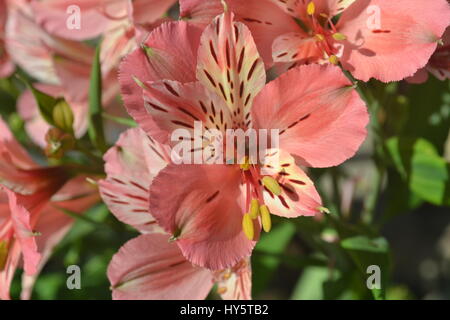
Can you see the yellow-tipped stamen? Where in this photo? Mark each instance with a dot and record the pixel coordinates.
(247, 226)
(254, 209)
(246, 165)
(320, 37)
(333, 59)
(324, 210)
(272, 184)
(339, 36)
(221, 290)
(311, 8)
(265, 218)
(324, 15)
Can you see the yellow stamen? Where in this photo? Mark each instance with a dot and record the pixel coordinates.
(333, 59)
(339, 36)
(247, 226)
(246, 165)
(272, 184)
(3, 253)
(221, 290)
(320, 37)
(254, 209)
(227, 275)
(324, 15)
(265, 218)
(311, 8)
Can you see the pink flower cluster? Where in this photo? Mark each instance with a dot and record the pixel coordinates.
(199, 223)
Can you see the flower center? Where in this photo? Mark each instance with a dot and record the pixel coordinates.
(255, 207)
(326, 34)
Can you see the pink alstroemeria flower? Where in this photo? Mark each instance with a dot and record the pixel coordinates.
(31, 222)
(122, 23)
(321, 121)
(149, 266)
(6, 65)
(439, 64)
(386, 40)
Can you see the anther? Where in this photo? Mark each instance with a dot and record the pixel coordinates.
(265, 218)
(339, 36)
(247, 226)
(333, 59)
(254, 209)
(272, 184)
(311, 8)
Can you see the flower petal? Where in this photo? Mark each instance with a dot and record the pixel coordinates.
(229, 64)
(53, 16)
(174, 105)
(77, 196)
(402, 43)
(296, 46)
(203, 211)
(298, 196)
(149, 267)
(235, 283)
(321, 119)
(264, 18)
(131, 166)
(21, 221)
(159, 61)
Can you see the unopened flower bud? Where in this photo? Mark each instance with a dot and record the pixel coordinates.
(63, 116)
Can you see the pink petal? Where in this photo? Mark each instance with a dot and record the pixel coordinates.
(229, 63)
(173, 62)
(321, 119)
(296, 46)
(77, 196)
(203, 210)
(21, 220)
(131, 166)
(299, 196)
(11, 151)
(298, 9)
(174, 105)
(149, 267)
(235, 283)
(147, 11)
(53, 17)
(407, 37)
(264, 18)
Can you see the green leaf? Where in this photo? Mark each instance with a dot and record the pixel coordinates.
(367, 252)
(420, 165)
(272, 243)
(96, 132)
(362, 243)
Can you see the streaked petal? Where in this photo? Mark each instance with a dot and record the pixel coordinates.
(322, 120)
(203, 211)
(229, 64)
(149, 267)
(403, 42)
(131, 166)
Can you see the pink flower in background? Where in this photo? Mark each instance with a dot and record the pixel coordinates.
(31, 223)
(439, 64)
(321, 121)
(122, 23)
(149, 267)
(6, 65)
(386, 40)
